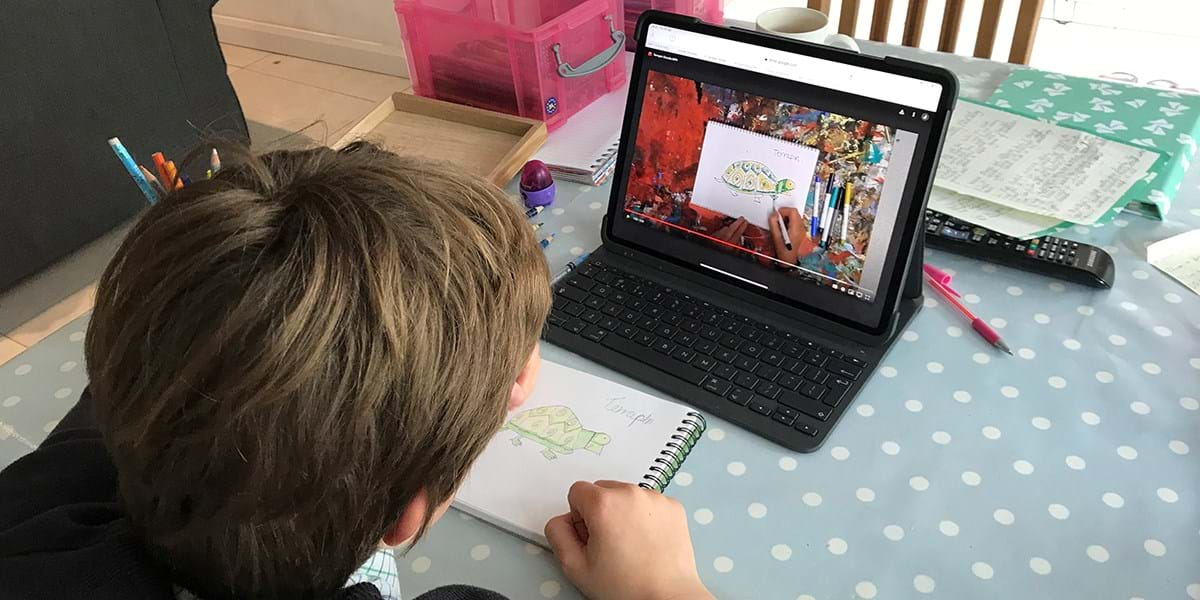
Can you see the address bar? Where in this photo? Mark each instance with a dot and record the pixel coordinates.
(888, 87)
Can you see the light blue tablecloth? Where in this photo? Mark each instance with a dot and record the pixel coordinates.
(1068, 471)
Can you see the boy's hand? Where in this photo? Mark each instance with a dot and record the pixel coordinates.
(622, 542)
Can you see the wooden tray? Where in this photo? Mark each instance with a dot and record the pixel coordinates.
(489, 144)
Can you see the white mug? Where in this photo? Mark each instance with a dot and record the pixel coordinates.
(803, 24)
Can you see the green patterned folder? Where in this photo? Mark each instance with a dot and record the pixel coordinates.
(1152, 118)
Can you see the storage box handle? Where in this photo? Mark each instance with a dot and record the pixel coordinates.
(596, 62)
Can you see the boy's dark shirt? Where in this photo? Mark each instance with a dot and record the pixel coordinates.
(64, 533)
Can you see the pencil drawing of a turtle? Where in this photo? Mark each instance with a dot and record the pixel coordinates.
(558, 429)
(753, 177)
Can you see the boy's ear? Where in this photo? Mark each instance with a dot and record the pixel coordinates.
(525, 379)
(409, 522)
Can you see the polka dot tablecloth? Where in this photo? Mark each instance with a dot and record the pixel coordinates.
(1067, 471)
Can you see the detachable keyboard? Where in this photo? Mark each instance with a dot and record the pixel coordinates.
(789, 389)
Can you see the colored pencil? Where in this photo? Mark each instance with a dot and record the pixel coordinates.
(173, 181)
(846, 210)
(158, 188)
(533, 212)
(132, 168)
(160, 167)
(214, 161)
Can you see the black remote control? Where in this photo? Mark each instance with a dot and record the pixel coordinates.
(1047, 255)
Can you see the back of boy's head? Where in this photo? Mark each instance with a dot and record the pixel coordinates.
(281, 357)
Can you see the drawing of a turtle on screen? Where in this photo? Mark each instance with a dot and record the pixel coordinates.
(557, 429)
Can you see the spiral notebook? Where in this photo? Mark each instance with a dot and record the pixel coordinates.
(575, 427)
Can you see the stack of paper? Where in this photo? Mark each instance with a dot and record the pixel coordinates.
(1025, 178)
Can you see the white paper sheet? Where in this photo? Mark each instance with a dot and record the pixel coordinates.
(1009, 221)
(518, 484)
(1178, 257)
(726, 146)
(1037, 167)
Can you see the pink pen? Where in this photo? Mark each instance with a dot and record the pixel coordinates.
(979, 325)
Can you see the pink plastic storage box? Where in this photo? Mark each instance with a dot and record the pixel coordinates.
(711, 11)
(541, 59)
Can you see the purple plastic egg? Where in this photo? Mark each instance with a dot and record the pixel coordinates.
(535, 175)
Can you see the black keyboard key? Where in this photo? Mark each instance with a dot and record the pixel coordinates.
(814, 391)
(793, 350)
(816, 359)
(725, 371)
(635, 304)
(612, 309)
(595, 333)
(745, 380)
(731, 341)
(575, 326)
(740, 396)
(595, 302)
(685, 339)
(591, 316)
(710, 318)
(730, 325)
(858, 362)
(602, 291)
(666, 364)
(581, 282)
(665, 331)
(630, 316)
(664, 346)
(710, 333)
(767, 372)
(573, 293)
(654, 311)
(626, 331)
(773, 342)
(772, 358)
(647, 324)
(807, 406)
(574, 309)
(691, 326)
(768, 389)
(684, 355)
(785, 415)
(589, 270)
(557, 319)
(672, 319)
(816, 375)
(807, 429)
(745, 363)
(619, 297)
(837, 391)
(725, 355)
(794, 367)
(789, 381)
(704, 363)
(717, 386)
(834, 353)
(762, 406)
(644, 339)
(609, 324)
(604, 276)
(751, 333)
(752, 349)
(704, 347)
(846, 370)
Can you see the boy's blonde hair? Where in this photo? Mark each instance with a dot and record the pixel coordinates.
(282, 356)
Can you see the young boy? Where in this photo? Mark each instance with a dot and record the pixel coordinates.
(292, 365)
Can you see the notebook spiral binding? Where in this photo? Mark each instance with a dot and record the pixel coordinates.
(606, 156)
(670, 458)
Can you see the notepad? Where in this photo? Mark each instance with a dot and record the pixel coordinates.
(1178, 257)
(575, 427)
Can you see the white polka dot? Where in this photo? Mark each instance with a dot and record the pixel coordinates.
(893, 532)
(1189, 403)
(1151, 368)
(1071, 344)
(6, 431)
(990, 432)
(532, 550)
(1127, 452)
(1058, 511)
(1057, 382)
(736, 468)
(23, 369)
(839, 453)
(1023, 467)
(1014, 290)
(723, 564)
(1193, 589)
(557, 211)
(1057, 287)
(68, 366)
(595, 206)
(1104, 377)
(550, 589)
(1085, 310)
(716, 434)
(788, 463)
(982, 570)
(940, 437)
(865, 410)
(971, 478)
(1116, 340)
(1003, 516)
(924, 584)
(1154, 547)
(683, 479)
(866, 590)
(1081, 230)
(48, 427)
(1112, 500)
(930, 302)
(1129, 305)
(918, 483)
(948, 528)
(576, 251)
(805, 597)
(1139, 274)
(1090, 418)
(962, 396)
(1178, 447)
(756, 510)
(77, 336)
(811, 499)
(1041, 423)
(890, 448)
(703, 516)
(954, 331)
(913, 405)
(421, 564)
(1010, 392)
(837, 546)
(934, 367)
(998, 323)
(1172, 297)
(481, 552)
(1041, 318)
(1167, 495)
(981, 358)
(910, 336)
(1097, 553)
(1039, 565)
(888, 371)
(1162, 331)
(971, 299)
(568, 229)
(61, 393)
(865, 494)
(1076, 463)
(781, 551)
(11, 401)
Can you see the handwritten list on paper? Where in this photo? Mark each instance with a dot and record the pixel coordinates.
(1178, 257)
(1003, 219)
(1037, 167)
